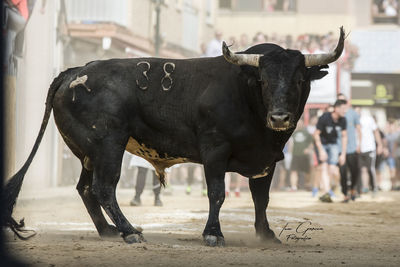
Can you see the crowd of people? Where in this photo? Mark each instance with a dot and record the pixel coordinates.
(385, 7)
(306, 43)
(341, 152)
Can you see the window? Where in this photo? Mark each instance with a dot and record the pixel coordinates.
(259, 5)
(385, 11)
(225, 4)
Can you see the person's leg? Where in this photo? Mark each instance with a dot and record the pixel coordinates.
(316, 176)
(343, 179)
(203, 179)
(293, 180)
(325, 183)
(354, 168)
(396, 180)
(302, 171)
(334, 177)
(280, 175)
(228, 183)
(333, 160)
(140, 181)
(371, 171)
(190, 177)
(236, 181)
(325, 179)
(392, 167)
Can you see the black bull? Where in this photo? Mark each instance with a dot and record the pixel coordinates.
(232, 113)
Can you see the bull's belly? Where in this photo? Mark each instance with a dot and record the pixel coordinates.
(256, 172)
(253, 169)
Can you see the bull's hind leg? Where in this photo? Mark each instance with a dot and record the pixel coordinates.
(84, 188)
(259, 188)
(107, 166)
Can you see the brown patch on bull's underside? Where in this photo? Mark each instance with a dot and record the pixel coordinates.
(160, 163)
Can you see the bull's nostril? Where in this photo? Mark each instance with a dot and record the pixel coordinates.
(285, 118)
(281, 118)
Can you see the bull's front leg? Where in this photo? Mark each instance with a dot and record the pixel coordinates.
(212, 234)
(214, 168)
(259, 188)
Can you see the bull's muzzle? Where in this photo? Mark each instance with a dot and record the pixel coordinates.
(279, 121)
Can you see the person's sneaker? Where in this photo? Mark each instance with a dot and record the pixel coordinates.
(346, 199)
(237, 193)
(326, 198)
(331, 193)
(188, 190)
(136, 201)
(157, 202)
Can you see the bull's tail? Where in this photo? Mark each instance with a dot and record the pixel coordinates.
(13, 186)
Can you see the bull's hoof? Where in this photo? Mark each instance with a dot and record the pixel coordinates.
(270, 239)
(214, 241)
(110, 232)
(134, 238)
(273, 240)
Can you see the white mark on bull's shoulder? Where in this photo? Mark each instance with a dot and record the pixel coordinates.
(94, 126)
(151, 155)
(263, 174)
(76, 82)
(167, 75)
(144, 74)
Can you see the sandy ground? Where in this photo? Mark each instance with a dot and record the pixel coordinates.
(362, 233)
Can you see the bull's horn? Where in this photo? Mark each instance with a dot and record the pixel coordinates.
(240, 59)
(324, 59)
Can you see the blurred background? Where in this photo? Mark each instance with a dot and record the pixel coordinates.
(46, 37)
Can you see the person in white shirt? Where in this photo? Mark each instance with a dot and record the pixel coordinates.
(214, 47)
(371, 145)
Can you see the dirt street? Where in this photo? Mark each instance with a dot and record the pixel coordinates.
(362, 233)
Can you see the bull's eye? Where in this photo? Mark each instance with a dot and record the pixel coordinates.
(264, 83)
(300, 82)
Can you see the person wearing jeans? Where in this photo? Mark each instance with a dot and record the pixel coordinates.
(330, 127)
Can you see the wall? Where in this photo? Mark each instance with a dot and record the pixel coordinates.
(35, 74)
(311, 17)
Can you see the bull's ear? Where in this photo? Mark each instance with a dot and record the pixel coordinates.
(316, 72)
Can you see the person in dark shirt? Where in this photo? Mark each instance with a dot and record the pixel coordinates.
(330, 127)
